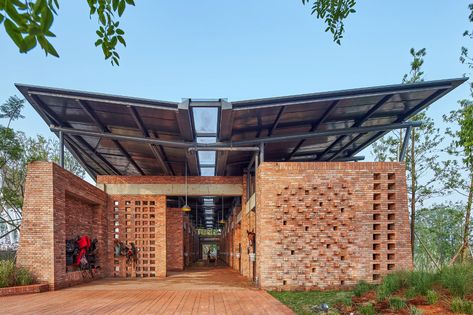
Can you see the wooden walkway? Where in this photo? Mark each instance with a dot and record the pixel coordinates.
(197, 291)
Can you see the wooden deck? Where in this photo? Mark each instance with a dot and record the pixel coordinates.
(197, 291)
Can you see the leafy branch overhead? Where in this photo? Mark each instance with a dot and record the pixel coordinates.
(29, 22)
(333, 12)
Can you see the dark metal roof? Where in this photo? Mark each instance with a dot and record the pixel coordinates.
(131, 136)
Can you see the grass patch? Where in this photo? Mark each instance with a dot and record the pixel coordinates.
(432, 297)
(302, 302)
(11, 275)
(367, 309)
(361, 288)
(392, 283)
(461, 306)
(396, 303)
(458, 279)
(415, 311)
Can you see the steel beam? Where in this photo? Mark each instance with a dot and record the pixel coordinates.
(423, 104)
(186, 129)
(157, 151)
(402, 154)
(42, 108)
(276, 121)
(314, 127)
(261, 152)
(224, 134)
(95, 119)
(61, 149)
(358, 123)
(236, 145)
(222, 148)
(321, 133)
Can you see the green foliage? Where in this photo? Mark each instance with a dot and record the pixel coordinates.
(464, 56)
(334, 13)
(361, 288)
(16, 151)
(410, 293)
(458, 279)
(415, 311)
(460, 169)
(440, 227)
(396, 303)
(432, 297)
(7, 271)
(11, 275)
(29, 22)
(415, 75)
(392, 283)
(461, 306)
(12, 108)
(421, 282)
(302, 302)
(367, 309)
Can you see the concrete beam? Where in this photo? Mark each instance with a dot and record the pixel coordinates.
(173, 189)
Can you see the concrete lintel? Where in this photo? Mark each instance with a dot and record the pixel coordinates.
(175, 189)
(251, 204)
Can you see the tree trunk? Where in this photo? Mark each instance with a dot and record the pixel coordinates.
(413, 191)
(466, 231)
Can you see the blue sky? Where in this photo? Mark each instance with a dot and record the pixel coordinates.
(242, 49)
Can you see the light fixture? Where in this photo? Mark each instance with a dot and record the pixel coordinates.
(186, 207)
(222, 221)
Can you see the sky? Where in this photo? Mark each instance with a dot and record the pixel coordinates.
(241, 50)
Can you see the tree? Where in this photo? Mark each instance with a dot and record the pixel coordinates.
(333, 12)
(439, 228)
(422, 159)
(460, 169)
(29, 22)
(16, 151)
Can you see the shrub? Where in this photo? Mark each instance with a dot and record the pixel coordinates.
(414, 310)
(458, 279)
(396, 303)
(367, 309)
(7, 273)
(459, 305)
(23, 276)
(10, 275)
(361, 288)
(432, 297)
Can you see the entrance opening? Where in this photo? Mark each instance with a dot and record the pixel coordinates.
(194, 238)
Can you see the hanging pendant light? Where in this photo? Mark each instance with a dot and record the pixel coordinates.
(186, 207)
(222, 221)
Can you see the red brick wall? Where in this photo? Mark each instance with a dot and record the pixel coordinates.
(175, 239)
(323, 225)
(53, 198)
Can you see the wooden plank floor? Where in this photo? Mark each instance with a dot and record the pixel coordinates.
(196, 291)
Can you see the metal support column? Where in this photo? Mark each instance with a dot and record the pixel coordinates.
(402, 154)
(261, 152)
(61, 149)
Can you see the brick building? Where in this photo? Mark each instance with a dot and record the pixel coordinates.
(278, 179)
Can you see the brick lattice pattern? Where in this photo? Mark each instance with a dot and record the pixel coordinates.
(326, 225)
